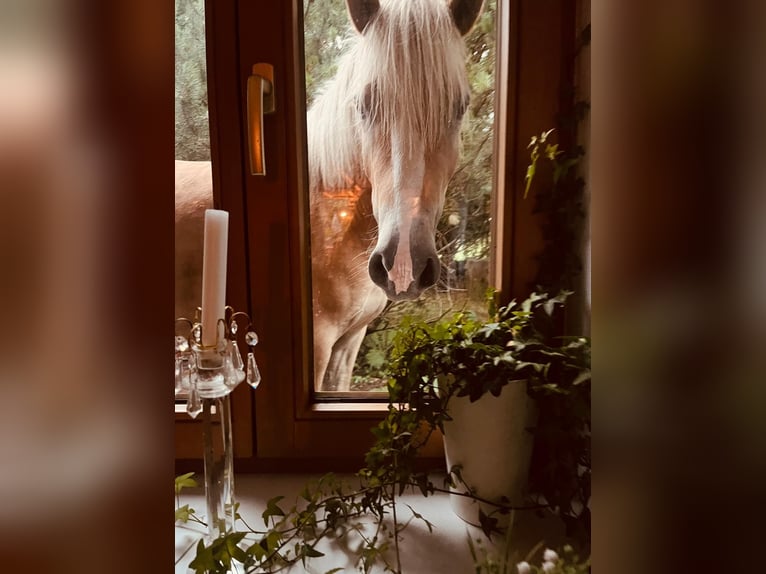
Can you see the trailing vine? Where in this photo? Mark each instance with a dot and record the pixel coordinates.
(562, 210)
(560, 188)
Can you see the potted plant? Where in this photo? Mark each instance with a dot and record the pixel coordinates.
(505, 392)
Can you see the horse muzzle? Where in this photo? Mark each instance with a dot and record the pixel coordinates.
(404, 277)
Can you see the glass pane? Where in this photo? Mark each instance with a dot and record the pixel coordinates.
(400, 208)
(194, 189)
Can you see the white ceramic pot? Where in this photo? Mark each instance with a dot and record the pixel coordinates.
(489, 438)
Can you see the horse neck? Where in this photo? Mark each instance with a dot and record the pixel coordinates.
(363, 222)
(353, 234)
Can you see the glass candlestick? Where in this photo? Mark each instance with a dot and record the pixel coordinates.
(207, 376)
(211, 375)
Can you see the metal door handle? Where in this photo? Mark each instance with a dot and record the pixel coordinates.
(260, 101)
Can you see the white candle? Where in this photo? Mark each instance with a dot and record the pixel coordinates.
(214, 273)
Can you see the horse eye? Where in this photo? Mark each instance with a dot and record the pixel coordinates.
(461, 105)
(364, 104)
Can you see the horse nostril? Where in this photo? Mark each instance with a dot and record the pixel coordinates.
(429, 275)
(377, 270)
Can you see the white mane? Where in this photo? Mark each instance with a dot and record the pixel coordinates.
(411, 57)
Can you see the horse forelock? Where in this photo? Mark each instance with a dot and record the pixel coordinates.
(411, 59)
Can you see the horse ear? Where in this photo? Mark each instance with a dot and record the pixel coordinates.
(465, 14)
(361, 12)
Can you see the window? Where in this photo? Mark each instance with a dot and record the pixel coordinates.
(364, 101)
(285, 424)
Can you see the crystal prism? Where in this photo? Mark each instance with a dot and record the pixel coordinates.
(236, 357)
(182, 345)
(193, 403)
(230, 375)
(197, 333)
(233, 327)
(179, 376)
(251, 338)
(253, 374)
(183, 374)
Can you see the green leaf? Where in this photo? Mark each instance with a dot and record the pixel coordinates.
(235, 509)
(272, 540)
(203, 561)
(185, 480)
(552, 151)
(583, 377)
(528, 178)
(272, 509)
(257, 551)
(521, 365)
(488, 523)
(311, 552)
(231, 550)
(456, 471)
(424, 484)
(420, 517)
(489, 328)
(184, 513)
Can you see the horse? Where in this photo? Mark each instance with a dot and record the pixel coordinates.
(383, 142)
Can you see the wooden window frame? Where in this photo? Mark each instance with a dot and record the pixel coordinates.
(280, 427)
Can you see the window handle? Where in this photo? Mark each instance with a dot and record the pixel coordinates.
(260, 101)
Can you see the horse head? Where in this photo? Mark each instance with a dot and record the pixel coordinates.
(409, 93)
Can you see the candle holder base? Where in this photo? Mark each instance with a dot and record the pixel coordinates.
(207, 375)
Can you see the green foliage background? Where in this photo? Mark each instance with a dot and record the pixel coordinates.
(192, 130)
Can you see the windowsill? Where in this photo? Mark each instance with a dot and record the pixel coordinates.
(180, 409)
(380, 407)
(444, 550)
